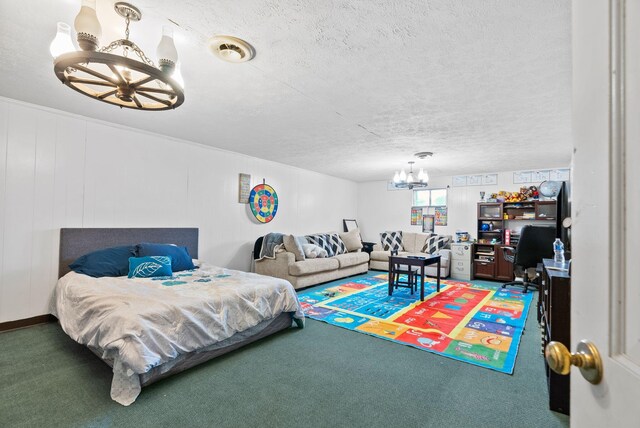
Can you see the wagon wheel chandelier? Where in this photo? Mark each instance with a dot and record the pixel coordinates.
(402, 180)
(110, 74)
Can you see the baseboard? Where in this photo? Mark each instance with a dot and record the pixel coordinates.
(27, 322)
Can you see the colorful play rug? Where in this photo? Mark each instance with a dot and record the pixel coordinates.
(467, 322)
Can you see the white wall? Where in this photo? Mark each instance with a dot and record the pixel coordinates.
(59, 170)
(380, 209)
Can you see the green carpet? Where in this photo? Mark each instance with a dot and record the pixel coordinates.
(320, 376)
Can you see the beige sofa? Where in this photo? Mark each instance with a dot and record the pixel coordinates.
(313, 271)
(412, 244)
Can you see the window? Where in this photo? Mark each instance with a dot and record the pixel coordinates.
(430, 198)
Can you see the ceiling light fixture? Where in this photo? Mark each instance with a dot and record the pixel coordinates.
(402, 180)
(108, 74)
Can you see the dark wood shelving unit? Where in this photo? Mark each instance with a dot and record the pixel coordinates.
(493, 267)
(493, 219)
(484, 260)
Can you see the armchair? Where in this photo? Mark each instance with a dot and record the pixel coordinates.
(535, 244)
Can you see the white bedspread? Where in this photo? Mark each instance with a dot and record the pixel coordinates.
(142, 323)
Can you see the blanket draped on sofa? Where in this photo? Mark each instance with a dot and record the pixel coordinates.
(270, 244)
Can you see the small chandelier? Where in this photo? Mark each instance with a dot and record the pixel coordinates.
(109, 74)
(402, 180)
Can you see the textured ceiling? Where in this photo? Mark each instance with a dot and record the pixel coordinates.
(344, 87)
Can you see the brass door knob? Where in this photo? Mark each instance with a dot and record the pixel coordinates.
(586, 357)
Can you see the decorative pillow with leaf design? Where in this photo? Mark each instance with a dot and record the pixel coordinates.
(148, 267)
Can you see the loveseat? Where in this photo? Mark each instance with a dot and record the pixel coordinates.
(311, 271)
(413, 245)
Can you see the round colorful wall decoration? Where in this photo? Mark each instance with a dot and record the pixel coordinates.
(263, 201)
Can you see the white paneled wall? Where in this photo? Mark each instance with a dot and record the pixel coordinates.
(380, 210)
(59, 170)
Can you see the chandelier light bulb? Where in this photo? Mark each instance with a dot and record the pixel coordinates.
(167, 52)
(87, 26)
(62, 42)
(177, 76)
(412, 180)
(124, 72)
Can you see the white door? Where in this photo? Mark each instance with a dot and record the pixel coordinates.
(605, 283)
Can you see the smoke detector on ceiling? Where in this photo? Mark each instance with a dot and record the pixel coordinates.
(231, 49)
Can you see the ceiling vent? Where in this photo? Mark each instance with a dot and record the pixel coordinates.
(231, 49)
(423, 155)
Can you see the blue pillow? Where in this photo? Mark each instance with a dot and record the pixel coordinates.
(180, 258)
(148, 267)
(112, 261)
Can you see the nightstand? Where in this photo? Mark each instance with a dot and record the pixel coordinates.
(367, 247)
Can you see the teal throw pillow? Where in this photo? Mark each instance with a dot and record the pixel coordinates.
(148, 267)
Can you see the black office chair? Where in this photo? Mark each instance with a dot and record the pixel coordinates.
(535, 244)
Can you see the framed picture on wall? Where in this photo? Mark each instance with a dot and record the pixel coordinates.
(559, 174)
(244, 188)
(522, 177)
(474, 180)
(441, 216)
(428, 222)
(539, 176)
(490, 179)
(416, 216)
(349, 224)
(459, 180)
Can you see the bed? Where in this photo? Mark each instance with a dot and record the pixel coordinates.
(149, 328)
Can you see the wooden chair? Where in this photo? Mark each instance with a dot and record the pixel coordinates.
(411, 272)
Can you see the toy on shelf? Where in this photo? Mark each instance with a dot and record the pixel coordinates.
(525, 194)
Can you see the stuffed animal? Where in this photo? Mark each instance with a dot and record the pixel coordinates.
(525, 193)
(534, 192)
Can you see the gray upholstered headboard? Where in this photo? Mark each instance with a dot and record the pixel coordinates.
(74, 242)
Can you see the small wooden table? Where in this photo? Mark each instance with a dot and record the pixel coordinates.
(418, 261)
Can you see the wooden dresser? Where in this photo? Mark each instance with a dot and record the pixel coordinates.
(554, 316)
